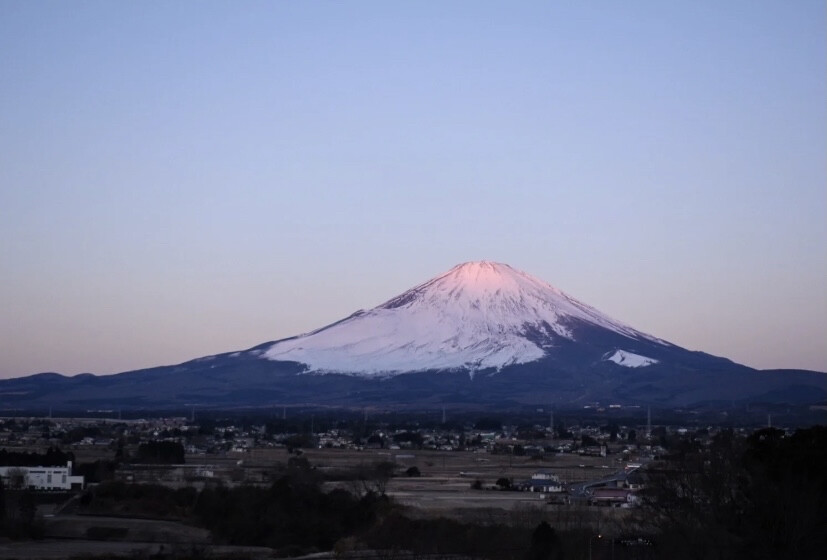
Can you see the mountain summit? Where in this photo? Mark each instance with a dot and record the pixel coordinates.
(478, 315)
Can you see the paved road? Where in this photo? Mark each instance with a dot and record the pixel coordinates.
(581, 490)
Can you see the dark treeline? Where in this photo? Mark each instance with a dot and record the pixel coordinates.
(18, 510)
(141, 500)
(52, 457)
(763, 497)
(436, 536)
(295, 419)
(294, 515)
(362, 423)
(159, 452)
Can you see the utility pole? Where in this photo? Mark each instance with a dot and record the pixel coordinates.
(648, 422)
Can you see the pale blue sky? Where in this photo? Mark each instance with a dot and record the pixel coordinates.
(185, 178)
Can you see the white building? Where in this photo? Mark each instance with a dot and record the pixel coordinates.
(41, 478)
(545, 482)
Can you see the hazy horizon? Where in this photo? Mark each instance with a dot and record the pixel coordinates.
(191, 178)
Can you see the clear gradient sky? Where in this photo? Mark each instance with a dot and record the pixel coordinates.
(180, 178)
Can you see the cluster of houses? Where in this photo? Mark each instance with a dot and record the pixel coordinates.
(106, 433)
(255, 442)
(617, 490)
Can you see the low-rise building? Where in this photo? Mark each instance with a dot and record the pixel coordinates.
(618, 497)
(544, 482)
(41, 478)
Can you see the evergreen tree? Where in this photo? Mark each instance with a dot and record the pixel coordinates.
(545, 544)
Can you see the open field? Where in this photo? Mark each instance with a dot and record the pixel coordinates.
(447, 476)
(570, 468)
(443, 489)
(445, 485)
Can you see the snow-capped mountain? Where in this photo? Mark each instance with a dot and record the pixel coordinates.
(478, 315)
(480, 335)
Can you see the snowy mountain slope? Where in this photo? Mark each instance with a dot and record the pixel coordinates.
(630, 359)
(478, 315)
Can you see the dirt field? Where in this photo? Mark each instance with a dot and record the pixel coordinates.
(445, 485)
(570, 468)
(123, 529)
(447, 476)
(48, 549)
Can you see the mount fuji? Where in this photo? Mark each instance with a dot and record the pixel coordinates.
(481, 334)
(477, 316)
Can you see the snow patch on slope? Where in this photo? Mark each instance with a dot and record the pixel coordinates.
(477, 315)
(628, 359)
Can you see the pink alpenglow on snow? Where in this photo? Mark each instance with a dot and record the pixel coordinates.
(478, 315)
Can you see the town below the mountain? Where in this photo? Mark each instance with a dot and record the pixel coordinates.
(597, 482)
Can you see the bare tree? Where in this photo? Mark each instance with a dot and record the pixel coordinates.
(17, 478)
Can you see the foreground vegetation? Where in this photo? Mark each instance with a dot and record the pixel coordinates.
(763, 497)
